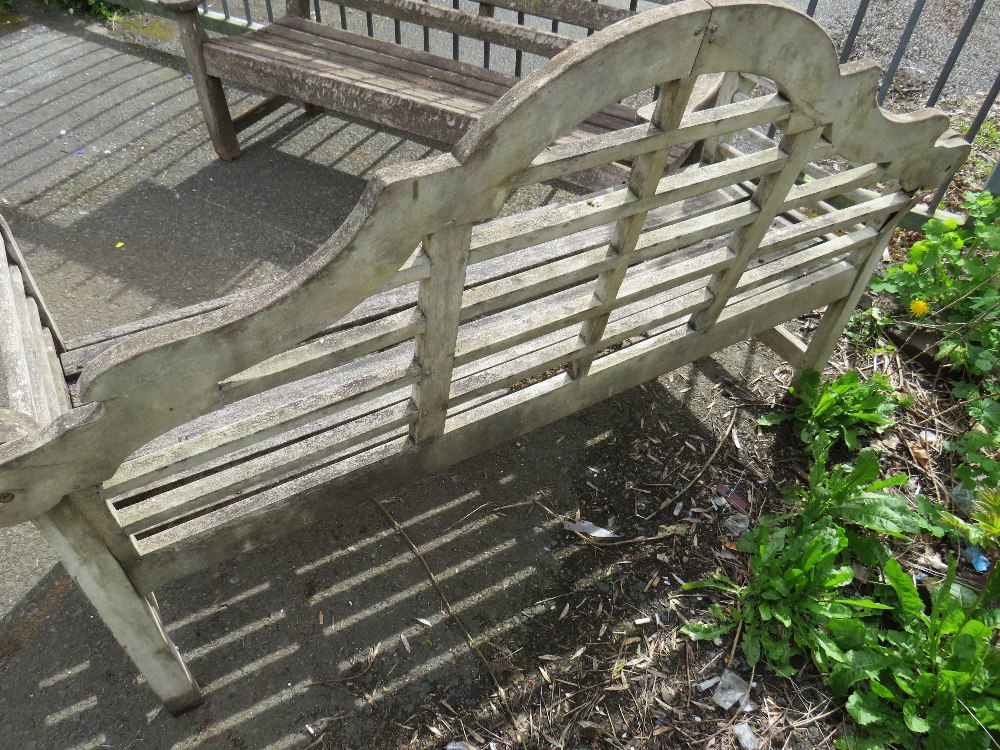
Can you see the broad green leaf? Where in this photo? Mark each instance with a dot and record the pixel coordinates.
(911, 606)
(911, 715)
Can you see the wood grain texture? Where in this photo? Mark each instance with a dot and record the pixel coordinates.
(206, 433)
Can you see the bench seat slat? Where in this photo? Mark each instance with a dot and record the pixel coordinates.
(378, 70)
(419, 93)
(392, 55)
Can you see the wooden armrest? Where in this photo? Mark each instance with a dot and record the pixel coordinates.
(179, 6)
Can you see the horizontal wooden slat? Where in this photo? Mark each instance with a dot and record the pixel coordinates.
(81, 350)
(535, 41)
(327, 352)
(563, 159)
(550, 222)
(588, 15)
(528, 285)
(491, 335)
(263, 472)
(845, 218)
(359, 45)
(357, 383)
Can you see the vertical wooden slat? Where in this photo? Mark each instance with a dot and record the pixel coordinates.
(440, 300)
(838, 313)
(731, 83)
(647, 170)
(769, 196)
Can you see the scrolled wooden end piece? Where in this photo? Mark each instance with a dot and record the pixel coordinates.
(179, 6)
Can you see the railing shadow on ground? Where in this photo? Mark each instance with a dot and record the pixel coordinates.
(280, 638)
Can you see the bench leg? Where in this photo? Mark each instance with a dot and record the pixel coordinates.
(131, 617)
(211, 97)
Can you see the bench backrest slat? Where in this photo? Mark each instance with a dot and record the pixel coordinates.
(462, 24)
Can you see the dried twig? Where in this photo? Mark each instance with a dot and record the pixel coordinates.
(701, 471)
(451, 612)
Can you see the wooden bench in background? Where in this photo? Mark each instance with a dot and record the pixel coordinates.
(412, 90)
(391, 352)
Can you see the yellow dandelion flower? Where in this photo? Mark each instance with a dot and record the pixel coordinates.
(919, 308)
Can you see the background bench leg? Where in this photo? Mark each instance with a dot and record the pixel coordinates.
(209, 88)
(134, 620)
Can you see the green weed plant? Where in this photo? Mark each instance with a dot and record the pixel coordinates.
(952, 276)
(842, 410)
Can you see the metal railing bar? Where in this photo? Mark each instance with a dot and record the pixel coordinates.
(246, 9)
(956, 50)
(897, 57)
(343, 17)
(518, 54)
(270, 11)
(972, 132)
(316, 12)
(852, 35)
(397, 31)
(225, 9)
(454, 37)
(369, 23)
(811, 8)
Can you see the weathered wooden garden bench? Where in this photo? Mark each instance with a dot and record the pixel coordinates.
(418, 91)
(390, 353)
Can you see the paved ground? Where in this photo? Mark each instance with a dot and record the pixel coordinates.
(100, 144)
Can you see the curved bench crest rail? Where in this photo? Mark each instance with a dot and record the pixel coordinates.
(609, 290)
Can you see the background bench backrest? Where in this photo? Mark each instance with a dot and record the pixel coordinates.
(714, 248)
(509, 36)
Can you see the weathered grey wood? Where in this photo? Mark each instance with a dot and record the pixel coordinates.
(198, 439)
(258, 112)
(15, 381)
(785, 344)
(838, 313)
(34, 357)
(267, 470)
(440, 301)
(211, 97)
(770, 196)
(359, 383)
(322, 495)
(10, 249)
(131, 617)
(535, 41)
(584, 14)
(647, 172)
(563, 159)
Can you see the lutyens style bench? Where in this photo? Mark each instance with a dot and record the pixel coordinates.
(148, 453)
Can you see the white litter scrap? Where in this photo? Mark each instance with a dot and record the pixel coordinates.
(733, 690)
(748, 740)
(461, 745)
(585, 527)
